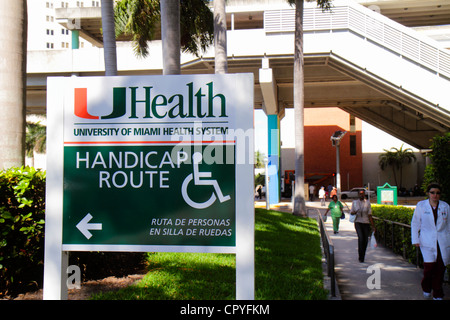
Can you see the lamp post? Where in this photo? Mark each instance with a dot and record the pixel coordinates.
(335, 142)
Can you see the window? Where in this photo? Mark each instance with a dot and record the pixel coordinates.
(352, 123)
(353, 145)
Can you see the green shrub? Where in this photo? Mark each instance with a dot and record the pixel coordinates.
(22, 211)
(393, 213)
(439, 170)
(401, 240)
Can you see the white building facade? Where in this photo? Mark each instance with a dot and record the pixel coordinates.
(45, 32)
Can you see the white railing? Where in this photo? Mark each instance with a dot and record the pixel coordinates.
(370, 25)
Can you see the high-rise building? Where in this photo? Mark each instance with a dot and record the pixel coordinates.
(44, 31)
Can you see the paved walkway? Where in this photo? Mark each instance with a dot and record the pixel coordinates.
(398, 279)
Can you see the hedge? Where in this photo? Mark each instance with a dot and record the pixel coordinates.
(22, 213)
(402, 236)
(393, 213)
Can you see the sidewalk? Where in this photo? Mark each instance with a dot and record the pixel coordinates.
(399, 280)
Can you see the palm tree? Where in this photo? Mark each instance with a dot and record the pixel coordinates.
(170, 36)
(220, 37)
(259, 159)
(396, 158)
(299, 193)
(109, 38)
(387, 159)
(197, 26)
(139, 18)
(13, 36)
(35, 139)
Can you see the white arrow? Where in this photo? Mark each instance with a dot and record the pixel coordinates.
(84, 226)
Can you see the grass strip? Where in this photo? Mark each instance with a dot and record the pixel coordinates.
(287, 267)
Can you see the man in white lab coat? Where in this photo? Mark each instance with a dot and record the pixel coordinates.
(430, 230)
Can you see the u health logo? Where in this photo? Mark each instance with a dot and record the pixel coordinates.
(193, 103)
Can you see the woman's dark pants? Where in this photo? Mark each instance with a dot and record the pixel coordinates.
(363, 230)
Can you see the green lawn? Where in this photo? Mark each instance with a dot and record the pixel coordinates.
(287, 266)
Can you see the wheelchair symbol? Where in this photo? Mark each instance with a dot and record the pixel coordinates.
(196, 176)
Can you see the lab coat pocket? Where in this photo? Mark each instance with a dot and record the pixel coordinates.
(426, 242)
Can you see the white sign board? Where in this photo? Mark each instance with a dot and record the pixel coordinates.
(150, 163)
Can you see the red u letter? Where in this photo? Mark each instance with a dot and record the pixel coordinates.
(81, 104)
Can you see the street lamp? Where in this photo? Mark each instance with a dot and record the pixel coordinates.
(335, 141)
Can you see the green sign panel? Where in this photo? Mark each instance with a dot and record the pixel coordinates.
(148, 195)
(387, 195)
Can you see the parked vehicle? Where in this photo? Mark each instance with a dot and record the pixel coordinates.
(353, 193)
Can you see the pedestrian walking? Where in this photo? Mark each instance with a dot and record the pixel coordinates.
(322, 196)
(363, 222)
(312, 189)
(336, 209)
(430, 231)
(333, 192)
(259, 191)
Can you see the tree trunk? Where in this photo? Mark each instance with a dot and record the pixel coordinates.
(395, 176)
(109, 38)
(220, 37)
(299, 193)
(13, 37)
(170, 35)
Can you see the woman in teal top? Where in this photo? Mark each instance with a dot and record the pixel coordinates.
(336, 209)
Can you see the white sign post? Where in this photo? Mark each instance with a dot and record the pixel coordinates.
(150, 164)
